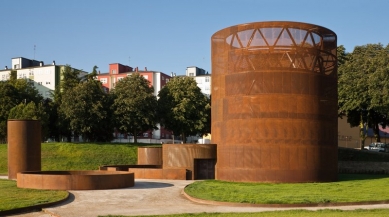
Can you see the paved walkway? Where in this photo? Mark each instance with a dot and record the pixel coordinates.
(148, 197)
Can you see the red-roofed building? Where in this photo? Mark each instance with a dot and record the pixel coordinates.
(157, 79)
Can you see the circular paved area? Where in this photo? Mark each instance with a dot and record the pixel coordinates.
(149, 197)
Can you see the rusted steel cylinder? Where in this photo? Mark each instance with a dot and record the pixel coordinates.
(149, 155)
(274, 102)
(24, 146)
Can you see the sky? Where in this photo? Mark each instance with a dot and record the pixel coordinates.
(165, 35)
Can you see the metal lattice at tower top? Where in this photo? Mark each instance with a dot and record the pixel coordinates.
(281, 45)
(274, 102)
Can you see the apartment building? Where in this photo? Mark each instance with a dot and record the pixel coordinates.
(44, 77)
(203, 79)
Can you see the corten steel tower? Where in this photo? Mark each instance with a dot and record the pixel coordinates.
(24, 146)
(274, 102)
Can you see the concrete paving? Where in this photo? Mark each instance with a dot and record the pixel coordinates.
(149, 197)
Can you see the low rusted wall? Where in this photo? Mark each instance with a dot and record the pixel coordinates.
(150, 173)
(150, 155)
(183, 155)
(75, 180)
(24, 146)
(126, 167)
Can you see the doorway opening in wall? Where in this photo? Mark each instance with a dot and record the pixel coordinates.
(204, 169)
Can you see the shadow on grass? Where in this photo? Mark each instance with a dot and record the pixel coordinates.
(352, 177)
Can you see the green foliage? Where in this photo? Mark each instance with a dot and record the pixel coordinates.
(7, 95)
(12, 93)
(3, 159)
(87, 108)
(363, 86)
(12, 197)
(349, 188)
(27, 111)
(182, 107)
(134, 105)
(70, 78)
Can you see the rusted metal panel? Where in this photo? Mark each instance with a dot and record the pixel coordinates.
(182, 156)
(24, 146)
(274, 102)
(149, 155)
(151, 173)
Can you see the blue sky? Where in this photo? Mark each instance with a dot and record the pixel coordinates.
(165, 35)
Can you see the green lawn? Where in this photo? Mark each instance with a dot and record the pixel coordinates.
(289, 213)
(79, 156)
(12, 197)
(349, 188)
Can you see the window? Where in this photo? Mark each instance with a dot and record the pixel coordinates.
(206, 79)
(103, 80)
(120, 78)
(191, 74)
(113, 71)
(146, 77)
(47, 82)
(16, 66)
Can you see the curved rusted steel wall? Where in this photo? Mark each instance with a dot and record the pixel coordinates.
(149, 155)
(24, 146)
(274, 102)
(75, 180)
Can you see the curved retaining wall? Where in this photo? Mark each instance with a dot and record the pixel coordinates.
(24, 146)
(274, 102)
(75, 180)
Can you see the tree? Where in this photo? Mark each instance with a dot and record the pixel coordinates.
(182, 107)
(8, 93)
(31, 111)
(87, 108)
(134, 105)
(59, 124)
(363, 87)
(12, 93)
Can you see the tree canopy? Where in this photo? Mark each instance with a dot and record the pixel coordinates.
(134, 105)
(182, 108)
(363, 86)
(87, 108)
(12, 93)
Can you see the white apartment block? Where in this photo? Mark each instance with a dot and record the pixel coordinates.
(44, 77)
(203, 79)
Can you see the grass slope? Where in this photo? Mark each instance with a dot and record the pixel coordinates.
(79, 156)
